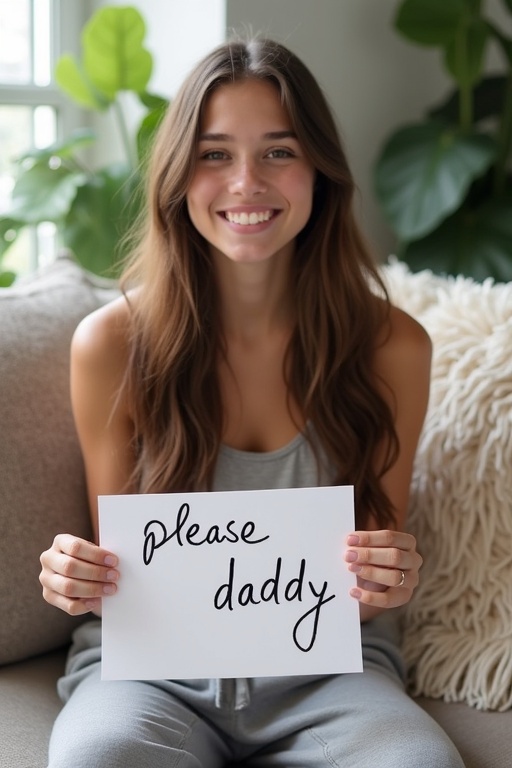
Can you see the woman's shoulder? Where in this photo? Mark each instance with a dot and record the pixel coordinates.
(406, 333)
(404, 345)
(103, 335)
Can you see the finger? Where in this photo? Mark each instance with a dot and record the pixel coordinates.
(72, 606)
(382, 538)
(77, 588)
(389, 598)
(385, 557)
(389, 577)
(73, 568)
(84, 550)
(76, 558)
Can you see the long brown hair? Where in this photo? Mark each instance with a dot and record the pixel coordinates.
(172, 380)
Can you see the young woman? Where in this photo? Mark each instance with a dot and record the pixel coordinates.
(254, 347)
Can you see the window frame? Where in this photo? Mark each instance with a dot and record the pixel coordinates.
(66, 23)
(67, 20)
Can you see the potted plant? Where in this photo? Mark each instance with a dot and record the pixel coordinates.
(92, 207)
(444, 183)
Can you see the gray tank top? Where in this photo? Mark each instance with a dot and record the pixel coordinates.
(292, 466)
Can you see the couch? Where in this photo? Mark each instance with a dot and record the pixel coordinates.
(43, 492)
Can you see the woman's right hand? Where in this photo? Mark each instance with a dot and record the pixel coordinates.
(76, 574)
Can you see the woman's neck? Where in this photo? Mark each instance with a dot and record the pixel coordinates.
(255, 299)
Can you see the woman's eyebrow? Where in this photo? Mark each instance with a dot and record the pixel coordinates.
(272, 136)
(216, 137)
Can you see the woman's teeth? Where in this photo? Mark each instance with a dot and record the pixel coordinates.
(248, 218)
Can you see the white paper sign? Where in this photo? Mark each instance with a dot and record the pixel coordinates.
(231, 584)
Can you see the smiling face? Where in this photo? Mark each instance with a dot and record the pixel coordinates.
(252, 189)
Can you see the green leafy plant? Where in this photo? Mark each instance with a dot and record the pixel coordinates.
(445, 184)
(92, 207)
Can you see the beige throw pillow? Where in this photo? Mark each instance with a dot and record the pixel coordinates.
(458, 627)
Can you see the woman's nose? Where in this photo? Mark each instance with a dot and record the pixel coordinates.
(247, 179)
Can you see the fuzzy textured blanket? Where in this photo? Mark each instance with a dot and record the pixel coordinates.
(458, 627)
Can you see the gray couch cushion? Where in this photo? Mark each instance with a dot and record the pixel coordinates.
(28, 707)
(41, 477)
(482, 738)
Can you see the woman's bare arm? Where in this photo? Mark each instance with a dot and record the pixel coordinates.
(75, 573)
(380, 557)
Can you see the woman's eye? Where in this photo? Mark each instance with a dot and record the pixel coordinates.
(214, 154)
(280, 153)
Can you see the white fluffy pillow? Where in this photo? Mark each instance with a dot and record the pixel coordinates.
(458, 627)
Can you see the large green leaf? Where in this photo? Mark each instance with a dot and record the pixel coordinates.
(7, 278)
(157, 106)
(72, 80)
(146, 133)
(100, 215)
(77, 140)
(477, 244)
(113, 52)
(152, 101)
(465, 52)
(431, 22)
(504, 41)
(43, 193)
(424, 172)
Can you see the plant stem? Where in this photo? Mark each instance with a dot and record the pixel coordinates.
(504, 142)
(504, 138)
(465, 107)
(125, 138)
(465, 87)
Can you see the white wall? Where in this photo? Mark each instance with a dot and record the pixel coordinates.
(180, 32)
(374, 79)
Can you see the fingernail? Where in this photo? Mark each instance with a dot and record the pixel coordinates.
(354, 568)
(112, 575)
(110, 560)
(350, 556)
(91, 605)
(109, 589)
(356, 593)
(352, 540)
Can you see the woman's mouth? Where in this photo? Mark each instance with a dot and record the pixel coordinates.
(246, 218)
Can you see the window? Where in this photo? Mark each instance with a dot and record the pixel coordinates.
(33, 112)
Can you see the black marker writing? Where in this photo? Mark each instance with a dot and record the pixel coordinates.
(155, 534)
(227, 596)
(316, 612)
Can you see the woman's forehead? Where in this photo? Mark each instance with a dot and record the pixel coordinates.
(248, 101)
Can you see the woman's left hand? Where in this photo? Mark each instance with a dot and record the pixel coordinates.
(387, 566)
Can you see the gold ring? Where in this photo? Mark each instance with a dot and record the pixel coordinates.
(402, 580)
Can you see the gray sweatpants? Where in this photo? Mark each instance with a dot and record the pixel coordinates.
(354, 720)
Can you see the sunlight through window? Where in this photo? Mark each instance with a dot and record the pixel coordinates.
(31, 110)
